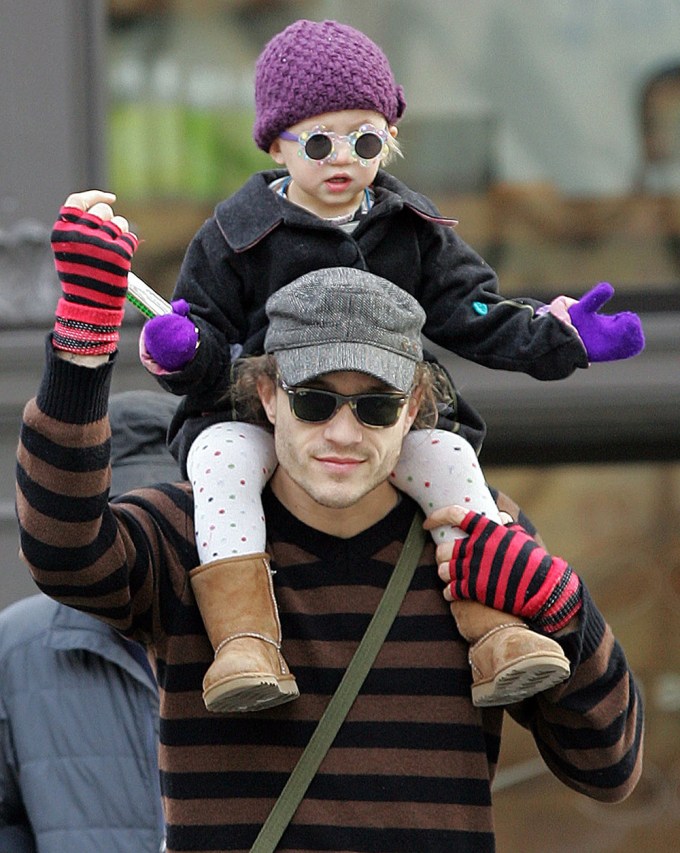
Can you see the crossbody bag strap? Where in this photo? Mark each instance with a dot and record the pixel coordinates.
(343, 698)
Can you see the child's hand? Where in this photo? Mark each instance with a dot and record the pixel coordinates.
(606, 338)
(171, 339)
(559, 308)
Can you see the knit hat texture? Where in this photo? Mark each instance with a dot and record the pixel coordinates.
(316, 67)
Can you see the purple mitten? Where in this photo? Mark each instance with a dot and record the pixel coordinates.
(171, 339)
(606, 338)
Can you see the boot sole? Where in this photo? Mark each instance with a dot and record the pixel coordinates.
(250, 693)
(520, 680)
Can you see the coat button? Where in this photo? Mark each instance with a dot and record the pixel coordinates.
(347, 254)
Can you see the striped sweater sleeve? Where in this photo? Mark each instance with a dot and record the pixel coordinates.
(81, 550)
(590, 728)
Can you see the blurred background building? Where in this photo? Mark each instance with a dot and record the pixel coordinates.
(551, 131)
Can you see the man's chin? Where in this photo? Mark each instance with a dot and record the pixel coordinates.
(338, 495)
(336, 500)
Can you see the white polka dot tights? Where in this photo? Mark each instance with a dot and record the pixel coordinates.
(438, 468)
(228, 466)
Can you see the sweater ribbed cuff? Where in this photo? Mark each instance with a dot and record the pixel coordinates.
(593, 624)
(85, 329)
(581, 644)
(72, 393)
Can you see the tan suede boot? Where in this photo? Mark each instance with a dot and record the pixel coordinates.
(509, 661)
(236, 599)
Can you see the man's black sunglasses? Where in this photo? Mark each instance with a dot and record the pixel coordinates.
(375, 410)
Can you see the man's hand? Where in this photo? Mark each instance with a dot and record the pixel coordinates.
(504, 568)
(93, 251)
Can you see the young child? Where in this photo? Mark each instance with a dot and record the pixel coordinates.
(327, 106)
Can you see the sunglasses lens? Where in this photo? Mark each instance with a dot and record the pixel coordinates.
(378, 409)
(318, 146)
(313, 406)
(368, 146)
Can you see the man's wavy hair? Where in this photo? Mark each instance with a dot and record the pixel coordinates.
(435, 387)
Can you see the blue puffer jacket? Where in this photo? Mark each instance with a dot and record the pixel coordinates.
(78, 736)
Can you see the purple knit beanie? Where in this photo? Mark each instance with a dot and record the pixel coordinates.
(320, 67)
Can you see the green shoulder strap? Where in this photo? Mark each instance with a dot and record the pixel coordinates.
(343, 698)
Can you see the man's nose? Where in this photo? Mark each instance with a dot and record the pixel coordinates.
(343, 427)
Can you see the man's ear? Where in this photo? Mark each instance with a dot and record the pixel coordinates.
(266, 391)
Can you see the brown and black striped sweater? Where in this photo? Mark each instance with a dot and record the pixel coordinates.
(412, 766)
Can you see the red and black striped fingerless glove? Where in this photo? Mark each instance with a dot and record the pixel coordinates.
(504, 568)
(93, 259)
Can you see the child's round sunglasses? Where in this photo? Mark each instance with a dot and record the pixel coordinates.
(320, 145)
(315, 406)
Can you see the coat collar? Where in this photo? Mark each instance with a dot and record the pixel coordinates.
(254, 210)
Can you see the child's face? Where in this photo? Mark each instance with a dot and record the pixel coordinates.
(334, 187)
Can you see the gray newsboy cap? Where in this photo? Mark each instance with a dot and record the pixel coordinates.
(345, 319)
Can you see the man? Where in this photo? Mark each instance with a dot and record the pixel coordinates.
(78, 701)
(412, 766)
